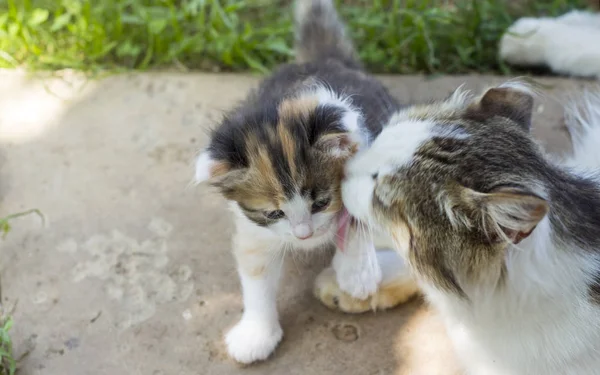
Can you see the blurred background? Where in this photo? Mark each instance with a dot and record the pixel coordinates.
(393, 36)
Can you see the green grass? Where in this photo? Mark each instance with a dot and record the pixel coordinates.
(393, 36)
(8, 363)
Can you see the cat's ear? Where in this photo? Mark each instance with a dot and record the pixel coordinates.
(208, 168)
(510, 101)
(219, 173)
(340, 145)
(506, 212)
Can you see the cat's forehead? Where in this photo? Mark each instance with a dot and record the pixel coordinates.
(275, 147)
(431, 150)
(281, 168)
(393, 148)
(406, 141)
(285, 128)
(456, 138)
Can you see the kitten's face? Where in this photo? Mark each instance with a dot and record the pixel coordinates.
(454, 183)
(283, 163)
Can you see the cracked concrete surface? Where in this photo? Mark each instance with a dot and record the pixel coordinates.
(133, 273)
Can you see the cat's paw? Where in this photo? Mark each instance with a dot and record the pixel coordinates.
(327, 290)
(358, 283)
(390, 294)
(253, 340)
(358, 277)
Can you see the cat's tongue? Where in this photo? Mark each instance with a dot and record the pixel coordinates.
(342, 229)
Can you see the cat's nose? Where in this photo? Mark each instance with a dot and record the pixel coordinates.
(303, 231)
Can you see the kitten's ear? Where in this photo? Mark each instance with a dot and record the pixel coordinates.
(340, 145)
(510, 102)
(208, 168)
(219, 173)
(508, 212)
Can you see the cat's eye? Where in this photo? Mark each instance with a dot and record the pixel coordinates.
(320, 204)
(375, 175)
(275, 215)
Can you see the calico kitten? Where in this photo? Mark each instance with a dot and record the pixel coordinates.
(278, 158)
(501, 240)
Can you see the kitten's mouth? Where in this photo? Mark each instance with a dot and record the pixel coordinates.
(343, 225)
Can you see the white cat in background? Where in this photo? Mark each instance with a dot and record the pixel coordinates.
(568, 45)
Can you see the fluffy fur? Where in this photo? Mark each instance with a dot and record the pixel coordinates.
(535, 42)
(278, 158)
(502, 241)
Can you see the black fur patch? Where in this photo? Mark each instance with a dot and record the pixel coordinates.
(595, 289)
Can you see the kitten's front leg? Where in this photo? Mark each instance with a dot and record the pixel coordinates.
(357, 271)
(258, 332)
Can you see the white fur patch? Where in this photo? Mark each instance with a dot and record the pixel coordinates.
(580, 18)
(357, 194)
(459, 98)
(540, 322)
(300, 218)
(204, 163)
(253, 339)
(521, 86)
(356, 268)
(568, 44)
(352, 119)
(258, 332)
(394, 147)
(391, 150)
(582, 117)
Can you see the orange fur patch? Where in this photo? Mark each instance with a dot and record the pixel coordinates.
(297, 107)
(288, 144)
(265, 182)
(219, 168)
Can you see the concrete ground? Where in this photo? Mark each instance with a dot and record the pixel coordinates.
(133, 273)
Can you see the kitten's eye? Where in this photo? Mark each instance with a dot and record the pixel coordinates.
(375, 175)
(320, 205)
(274, 215)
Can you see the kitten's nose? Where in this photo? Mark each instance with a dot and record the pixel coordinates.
(303, 231)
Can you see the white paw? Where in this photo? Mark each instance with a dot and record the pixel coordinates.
(327, 291)
(253, 340)
(357, 276)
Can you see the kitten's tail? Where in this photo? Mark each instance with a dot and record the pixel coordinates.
(582, 117)
(320, 34)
